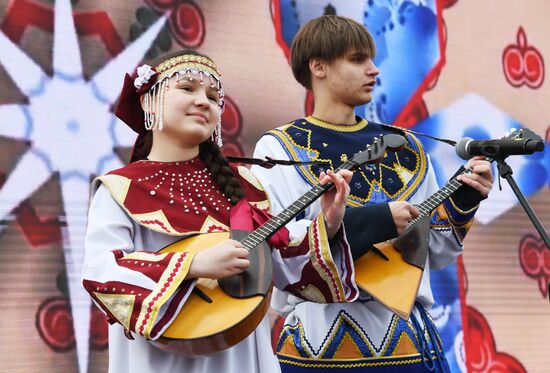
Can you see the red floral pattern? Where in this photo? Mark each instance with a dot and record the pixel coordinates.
(99, 335)
(187, 24)
(231, 129)
(534, 259)
(523, 63)
(186, 20)
(481, 349)
(54, 322)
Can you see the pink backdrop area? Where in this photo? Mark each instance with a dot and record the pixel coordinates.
(61, 68)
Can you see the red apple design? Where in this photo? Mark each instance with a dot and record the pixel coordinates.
(99, 331)
(186, 20)
(231, 119)
(187, 24)
(481, 348)
(231, 129)
(523, 63)
(54, 323)
(534, 259)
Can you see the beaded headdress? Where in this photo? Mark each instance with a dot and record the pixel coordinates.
(152, 82)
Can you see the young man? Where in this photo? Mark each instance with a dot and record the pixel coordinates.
(333, 56)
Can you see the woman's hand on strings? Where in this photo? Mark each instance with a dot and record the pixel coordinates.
(224, 259)
(333, 202)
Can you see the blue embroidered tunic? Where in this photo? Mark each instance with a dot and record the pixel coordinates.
(364, 333)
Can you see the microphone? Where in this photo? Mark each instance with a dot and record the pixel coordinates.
(467, 147)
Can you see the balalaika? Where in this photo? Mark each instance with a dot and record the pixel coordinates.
(394, 277)
(220, 313)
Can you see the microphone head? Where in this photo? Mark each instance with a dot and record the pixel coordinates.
(461, 148)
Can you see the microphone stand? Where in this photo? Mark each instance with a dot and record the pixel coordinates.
(505, 171)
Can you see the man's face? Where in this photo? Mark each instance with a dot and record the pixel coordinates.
(351, 78)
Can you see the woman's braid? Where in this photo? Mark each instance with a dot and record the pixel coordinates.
(223, 175)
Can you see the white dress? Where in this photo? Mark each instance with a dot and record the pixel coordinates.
(118, 252)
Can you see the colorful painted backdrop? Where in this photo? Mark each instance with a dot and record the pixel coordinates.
(450, 68)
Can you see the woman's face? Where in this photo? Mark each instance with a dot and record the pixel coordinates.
(191, 110)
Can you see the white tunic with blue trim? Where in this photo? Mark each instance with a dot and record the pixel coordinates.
(363, 331)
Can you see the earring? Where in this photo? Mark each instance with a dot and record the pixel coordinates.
(217, 134)
(148, 115)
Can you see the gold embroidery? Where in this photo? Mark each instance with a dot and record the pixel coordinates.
(313, 294)
(116, 185)
(338, 127)
(291, 145)
(250, 177)
(120, 305)
(253, 180)
(404, 346)
(162, 294)
(209, 222)
(262, 205)
(155, 221)
(319, 243)
(148, 257)
(188, 61)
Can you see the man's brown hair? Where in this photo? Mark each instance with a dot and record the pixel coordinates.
(327, 37)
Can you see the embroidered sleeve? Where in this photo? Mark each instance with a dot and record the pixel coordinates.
(310, 266)
(448, 223)
(314, 268)
(451, 215)
(457, 212)
(143, 291)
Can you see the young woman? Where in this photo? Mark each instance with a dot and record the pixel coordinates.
(179, 184)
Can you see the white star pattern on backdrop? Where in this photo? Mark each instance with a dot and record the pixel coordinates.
(72, 132)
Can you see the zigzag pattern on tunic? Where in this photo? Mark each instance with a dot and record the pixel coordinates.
(346, 339)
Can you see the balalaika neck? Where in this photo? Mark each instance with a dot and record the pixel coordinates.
(437, 198)
(269, 228)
